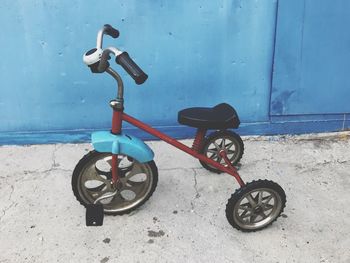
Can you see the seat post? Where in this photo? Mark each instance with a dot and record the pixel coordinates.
(198, 140)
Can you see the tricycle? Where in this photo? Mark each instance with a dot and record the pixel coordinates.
(120, 175)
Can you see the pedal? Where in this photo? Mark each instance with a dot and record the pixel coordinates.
(94, 215)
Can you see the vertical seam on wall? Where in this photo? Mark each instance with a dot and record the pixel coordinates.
(301, 43)
(273, 59)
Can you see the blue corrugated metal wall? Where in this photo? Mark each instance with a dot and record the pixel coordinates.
(312, 58)
(197, 53)
(310, 90)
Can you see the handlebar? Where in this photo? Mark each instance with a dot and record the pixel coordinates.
(107, 29)
(131, 67)
(121, 58)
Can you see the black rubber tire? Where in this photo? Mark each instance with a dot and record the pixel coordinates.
(217, 135)
(254, 185)
(93, 154)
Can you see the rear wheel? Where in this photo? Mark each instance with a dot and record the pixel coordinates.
(225, 140)
(92, 178)
(256, 205)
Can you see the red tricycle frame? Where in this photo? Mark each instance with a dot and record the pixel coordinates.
(119, 116)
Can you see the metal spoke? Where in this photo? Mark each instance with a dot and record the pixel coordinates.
(260, 196)
(107, 174)
(256, 198)
(262, 214)
(212, 151)
(267, 199)
(267, 207)
(246, 209)
(96, 189)
(228, 146)
(231, 158)
(124, 171)
(253, 218)
(117, 199)
(217, 146)
(222, 144)
(100, 193)
(136, 169)
(91, 175)
(246, 204)
(251, 200)
(136, 187)
(231, 152)
(245, 214)
(212, 156)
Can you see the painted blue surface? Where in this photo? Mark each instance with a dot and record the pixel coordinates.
(104, 141)
(312, 58)
(196, 53)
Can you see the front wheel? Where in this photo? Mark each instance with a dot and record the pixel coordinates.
(255, 206)
(92, 178)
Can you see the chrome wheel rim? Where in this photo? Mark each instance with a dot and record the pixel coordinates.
(257, 208)
(224, 143)
(95, 180)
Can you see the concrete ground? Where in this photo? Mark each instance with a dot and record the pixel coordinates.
(184, 221)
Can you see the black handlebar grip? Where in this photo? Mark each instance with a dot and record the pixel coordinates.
(131, 67)
(104, 64)
(111, 31)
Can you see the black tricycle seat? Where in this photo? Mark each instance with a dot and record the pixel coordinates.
(222, 116)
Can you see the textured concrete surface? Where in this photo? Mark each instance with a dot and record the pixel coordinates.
(184, 221)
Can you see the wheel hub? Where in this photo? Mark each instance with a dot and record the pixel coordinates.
(258, 210)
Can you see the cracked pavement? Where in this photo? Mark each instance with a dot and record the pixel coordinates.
(184, 220)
